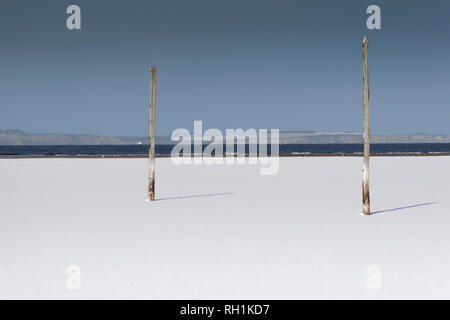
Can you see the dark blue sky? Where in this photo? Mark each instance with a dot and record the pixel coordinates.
(287, 64)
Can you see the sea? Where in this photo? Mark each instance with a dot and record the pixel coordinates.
(284, 149)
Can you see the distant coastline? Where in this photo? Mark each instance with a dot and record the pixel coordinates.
(14, 137)
(165, 150)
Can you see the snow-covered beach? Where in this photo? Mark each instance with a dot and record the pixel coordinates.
(225, 231)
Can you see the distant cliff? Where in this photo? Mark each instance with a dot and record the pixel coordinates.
(321, 138)
(19, 137)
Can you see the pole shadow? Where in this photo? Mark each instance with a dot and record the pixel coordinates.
(402, 208)
(196, 196)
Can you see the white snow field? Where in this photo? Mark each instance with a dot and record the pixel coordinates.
(224, 231)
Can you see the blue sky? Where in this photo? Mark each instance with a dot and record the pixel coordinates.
(287, 64)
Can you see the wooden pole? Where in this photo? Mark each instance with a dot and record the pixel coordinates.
(151, 136)
(365, 183)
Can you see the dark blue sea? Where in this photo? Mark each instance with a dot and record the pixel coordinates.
(285, 149)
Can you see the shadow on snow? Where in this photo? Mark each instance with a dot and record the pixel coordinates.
(402, 208)
(196, 196)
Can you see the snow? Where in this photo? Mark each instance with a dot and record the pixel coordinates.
(225, 231)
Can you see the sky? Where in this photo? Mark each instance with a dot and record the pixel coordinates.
(285, 64)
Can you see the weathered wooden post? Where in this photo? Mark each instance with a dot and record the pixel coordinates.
(151, 136)
(365, 183)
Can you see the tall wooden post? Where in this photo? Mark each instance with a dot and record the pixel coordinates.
(365, 183)
(151, 136)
